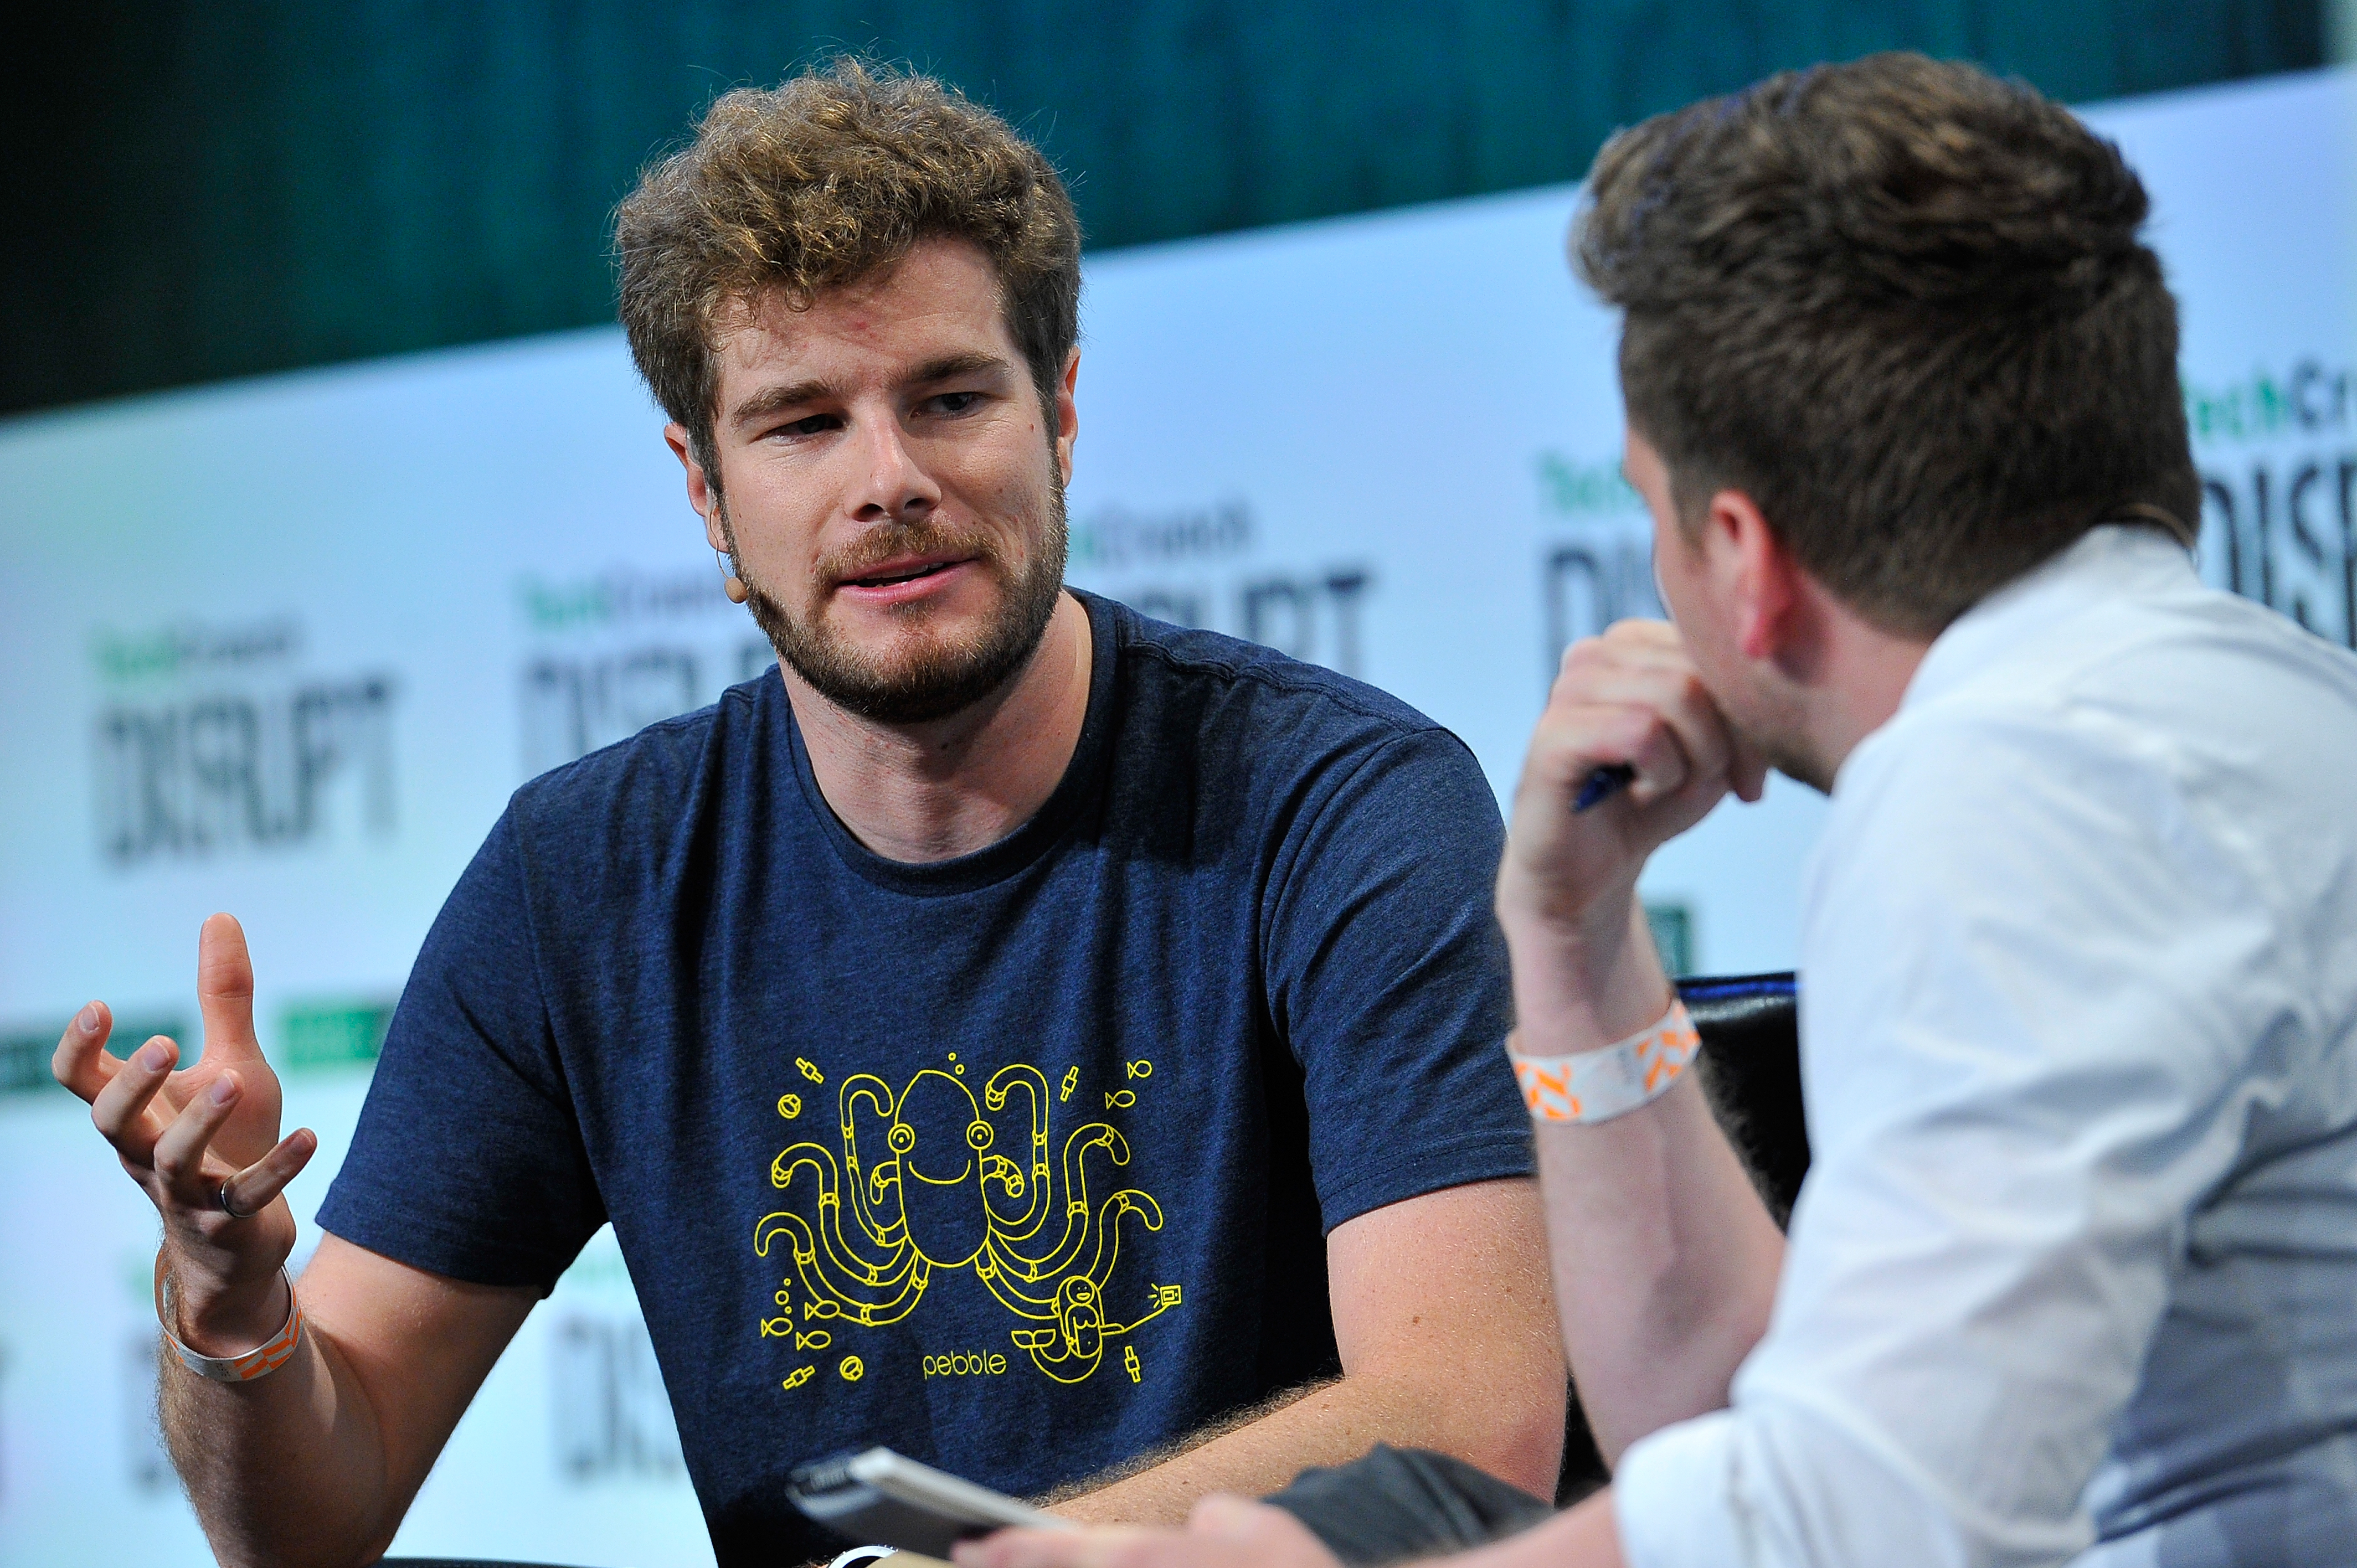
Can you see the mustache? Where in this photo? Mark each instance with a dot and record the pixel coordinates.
(891, 540)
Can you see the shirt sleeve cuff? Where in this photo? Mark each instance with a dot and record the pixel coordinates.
(1674, 1498)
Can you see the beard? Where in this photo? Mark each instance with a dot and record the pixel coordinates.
(926, 675)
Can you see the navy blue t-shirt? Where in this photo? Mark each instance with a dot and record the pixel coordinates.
(1019, 1163)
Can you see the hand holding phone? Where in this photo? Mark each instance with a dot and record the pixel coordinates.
(879, 1495)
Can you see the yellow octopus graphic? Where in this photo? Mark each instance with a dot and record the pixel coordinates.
(931, 1205)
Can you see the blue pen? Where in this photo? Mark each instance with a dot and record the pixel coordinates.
(1602, 785)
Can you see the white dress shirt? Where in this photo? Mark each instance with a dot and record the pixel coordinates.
(2073, 1276)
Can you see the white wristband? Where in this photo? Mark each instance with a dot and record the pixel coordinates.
(256, 1363)
(1596, 1085)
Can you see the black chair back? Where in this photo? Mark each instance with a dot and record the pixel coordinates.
(1750, 1029)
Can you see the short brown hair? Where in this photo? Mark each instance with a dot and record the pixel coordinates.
(1903, 305)
(818, 183)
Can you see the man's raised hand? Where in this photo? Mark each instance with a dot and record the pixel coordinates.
(203, 1144)
(1566, 888)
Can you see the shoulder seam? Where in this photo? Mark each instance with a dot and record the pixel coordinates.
(1264, 676)
(1280, 884)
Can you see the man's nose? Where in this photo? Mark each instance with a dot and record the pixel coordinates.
(893, 485)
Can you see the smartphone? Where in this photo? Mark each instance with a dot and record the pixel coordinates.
(876, 1494)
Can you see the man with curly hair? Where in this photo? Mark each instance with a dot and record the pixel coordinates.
(2073, 1273)
(1049, 1042)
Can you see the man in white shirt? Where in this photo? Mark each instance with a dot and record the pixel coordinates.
(2075, 1275)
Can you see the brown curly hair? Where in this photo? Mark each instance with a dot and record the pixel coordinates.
(1903, 305)
(822, 181)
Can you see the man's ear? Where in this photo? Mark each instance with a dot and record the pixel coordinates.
(702, 493)
(1764, 578)
(1068, 414)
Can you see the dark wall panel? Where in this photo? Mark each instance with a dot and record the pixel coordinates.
(207, 190)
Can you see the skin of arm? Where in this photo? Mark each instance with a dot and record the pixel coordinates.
(1665, 1258)
(1447, 1333)
(1467, 1403)
(1660, 1237)
(318, 1462)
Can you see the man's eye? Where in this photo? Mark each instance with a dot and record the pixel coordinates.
(816, 424)
(957, 402)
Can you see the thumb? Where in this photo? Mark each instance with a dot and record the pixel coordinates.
(225, 992)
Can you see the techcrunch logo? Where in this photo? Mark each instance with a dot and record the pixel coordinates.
(1112, 537)
(964, 1364)
(611, 653)
(2279, 515)
(187, 647)
(1317, 616)
(617, 596)
(1586, 490)
(2311, 398)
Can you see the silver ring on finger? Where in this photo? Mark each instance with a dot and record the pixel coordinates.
(221, 1197)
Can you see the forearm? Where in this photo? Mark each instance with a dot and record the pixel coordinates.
(286, 1469)
(1509, 1426)
(316, 1462)
(1664, 1259)
(1665, 1263)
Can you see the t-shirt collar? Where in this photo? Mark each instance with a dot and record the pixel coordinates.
(1018, 849)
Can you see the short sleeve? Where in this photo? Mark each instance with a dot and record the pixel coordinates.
(1386, 976)
(469, 1159)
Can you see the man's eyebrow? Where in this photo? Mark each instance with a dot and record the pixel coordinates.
(951, 365)
(770, 400)
(777, 399)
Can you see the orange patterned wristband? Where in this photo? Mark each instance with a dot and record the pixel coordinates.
(1596, 1085)
(258, 1363)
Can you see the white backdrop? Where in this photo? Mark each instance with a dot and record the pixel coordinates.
(285, 647)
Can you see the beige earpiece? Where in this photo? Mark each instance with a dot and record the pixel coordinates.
(730, 583)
